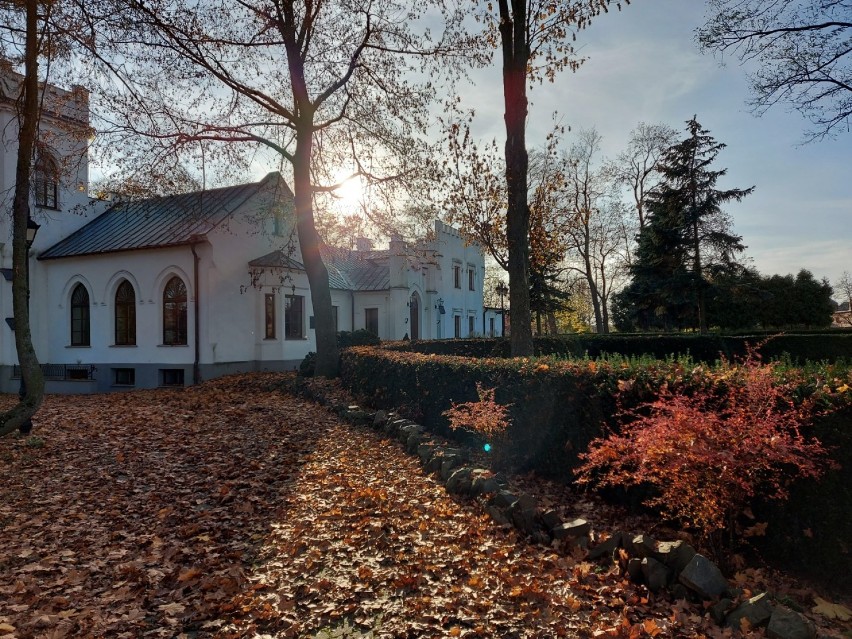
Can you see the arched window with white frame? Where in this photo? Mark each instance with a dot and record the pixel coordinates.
(125, 314)
(80, 317)
(175, 313)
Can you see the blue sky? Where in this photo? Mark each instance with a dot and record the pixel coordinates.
(644, 65)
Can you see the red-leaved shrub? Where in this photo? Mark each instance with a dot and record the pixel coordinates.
(708, 452)
(485, 417)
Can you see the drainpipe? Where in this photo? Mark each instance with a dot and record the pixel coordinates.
(196, 367)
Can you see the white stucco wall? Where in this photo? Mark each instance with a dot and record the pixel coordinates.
(64, 132)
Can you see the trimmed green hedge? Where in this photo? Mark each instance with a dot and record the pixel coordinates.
(829, 346)
(557, 405)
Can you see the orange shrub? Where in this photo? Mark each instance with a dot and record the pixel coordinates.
(708, 451)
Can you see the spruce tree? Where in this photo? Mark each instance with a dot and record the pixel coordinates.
(687, 240)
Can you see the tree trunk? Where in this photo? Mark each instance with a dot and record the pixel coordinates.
(699, 279)
(515, 60)
(603, 301)
(20, 415)
(551, 323)
(328, 359)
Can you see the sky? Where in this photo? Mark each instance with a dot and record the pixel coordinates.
(644, 65)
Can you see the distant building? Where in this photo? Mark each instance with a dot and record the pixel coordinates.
(162, 291)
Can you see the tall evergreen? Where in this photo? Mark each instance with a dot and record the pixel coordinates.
(687, 240)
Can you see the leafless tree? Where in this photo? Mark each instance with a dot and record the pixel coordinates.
(801, 52)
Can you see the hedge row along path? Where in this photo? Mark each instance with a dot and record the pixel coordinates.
(232, 509)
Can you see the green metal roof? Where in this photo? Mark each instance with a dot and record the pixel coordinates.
(163, 221)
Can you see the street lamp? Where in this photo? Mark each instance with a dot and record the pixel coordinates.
(502, 290)
(32, 231)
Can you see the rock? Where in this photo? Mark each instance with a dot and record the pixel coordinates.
(642, 546)
(498, 515)
(720, 609)
(358, 416)
(756, 610)
(414, 440)
(634, 569)
(425, 451)
(656, 574)
(524, 519)
(501, 480)
(606, 547)
(482, 482)
(703, 577)
(406, 430)
(435, 461)
(459, 452)
(550, 519)
(526, 502)
(540, 537)
(679, 591)
(675, 554)
(575, 528)
(787, 624)
(448, 464)
(504, 499)
(393, 425)
(459, 481)
(380, 419)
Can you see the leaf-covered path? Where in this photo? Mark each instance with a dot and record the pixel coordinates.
(235, 510)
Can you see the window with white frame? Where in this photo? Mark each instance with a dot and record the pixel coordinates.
(46, 182)
(80, 318)
(371, 320)
(175, 313)
(125, 315)
(294, 317)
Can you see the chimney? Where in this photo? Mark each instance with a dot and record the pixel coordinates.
(363, 244)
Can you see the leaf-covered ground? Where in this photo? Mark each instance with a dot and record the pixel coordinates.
(233, 509)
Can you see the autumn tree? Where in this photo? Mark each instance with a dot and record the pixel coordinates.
(636, 166)
(474, 198)
(687, 237)
(26, 42)
(535, 42)
(800, 53)
(844, 287)
(319, 86)
(594, 223)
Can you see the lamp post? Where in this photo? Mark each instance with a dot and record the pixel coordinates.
(502, 290)
(32, 230)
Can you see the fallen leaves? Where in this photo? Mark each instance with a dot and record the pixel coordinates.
(831, 610)
(232, 509)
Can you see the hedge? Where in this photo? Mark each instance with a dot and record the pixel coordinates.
(829, 346)
(557, 405)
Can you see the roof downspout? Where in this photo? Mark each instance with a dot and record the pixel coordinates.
(196, 363)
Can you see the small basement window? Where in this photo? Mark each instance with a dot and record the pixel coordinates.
(124, 376)
(171, 377)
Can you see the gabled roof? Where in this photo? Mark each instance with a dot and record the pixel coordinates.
(347, 270)
(160, 222)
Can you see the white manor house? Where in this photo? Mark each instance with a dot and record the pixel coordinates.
(173, 290)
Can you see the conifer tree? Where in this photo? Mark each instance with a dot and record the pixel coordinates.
(687, 238)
